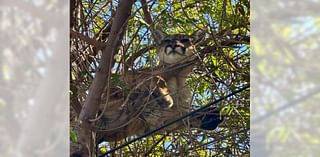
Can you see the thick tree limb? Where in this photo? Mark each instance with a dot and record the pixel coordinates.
(96, 89)
(73, 4)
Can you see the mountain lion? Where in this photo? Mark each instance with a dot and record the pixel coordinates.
(157, 95)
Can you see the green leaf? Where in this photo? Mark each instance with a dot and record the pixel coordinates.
(73, 136)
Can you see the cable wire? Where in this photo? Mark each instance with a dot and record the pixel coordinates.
(176, 120)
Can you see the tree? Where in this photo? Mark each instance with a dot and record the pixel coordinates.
(108, 38)
(284, 79)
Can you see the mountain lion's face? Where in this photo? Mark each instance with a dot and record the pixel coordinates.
(177, 47)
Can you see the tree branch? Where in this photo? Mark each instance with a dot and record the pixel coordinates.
(131, 60)
(146, 12)
(99, 45)
(96, 89)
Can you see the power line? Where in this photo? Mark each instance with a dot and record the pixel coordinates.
(176, 120)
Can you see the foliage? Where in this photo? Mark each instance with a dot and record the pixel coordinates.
(224, 66)
(284, 79)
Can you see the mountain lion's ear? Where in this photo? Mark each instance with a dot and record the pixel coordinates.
(198, 36)
(158, 35)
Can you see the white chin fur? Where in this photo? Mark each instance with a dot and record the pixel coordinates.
(171, 58)
(179, 50)
(168, 50)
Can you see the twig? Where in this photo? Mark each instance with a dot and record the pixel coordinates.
(176, 120)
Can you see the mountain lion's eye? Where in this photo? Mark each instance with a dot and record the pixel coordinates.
(184, 40)
(166, 41)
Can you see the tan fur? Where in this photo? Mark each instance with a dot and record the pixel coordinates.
(175, 76)
(151, 83)
(157, 96)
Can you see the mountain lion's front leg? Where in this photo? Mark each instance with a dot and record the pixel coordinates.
(155, 85)
(162, 93)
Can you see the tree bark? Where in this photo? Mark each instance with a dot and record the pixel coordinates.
(85, 134)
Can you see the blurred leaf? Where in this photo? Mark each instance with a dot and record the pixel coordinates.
(311, 139)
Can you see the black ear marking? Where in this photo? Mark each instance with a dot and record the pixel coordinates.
(167, 41)
(186, 40)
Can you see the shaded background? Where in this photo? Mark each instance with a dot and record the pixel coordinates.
(34, 106)
(285, 72)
